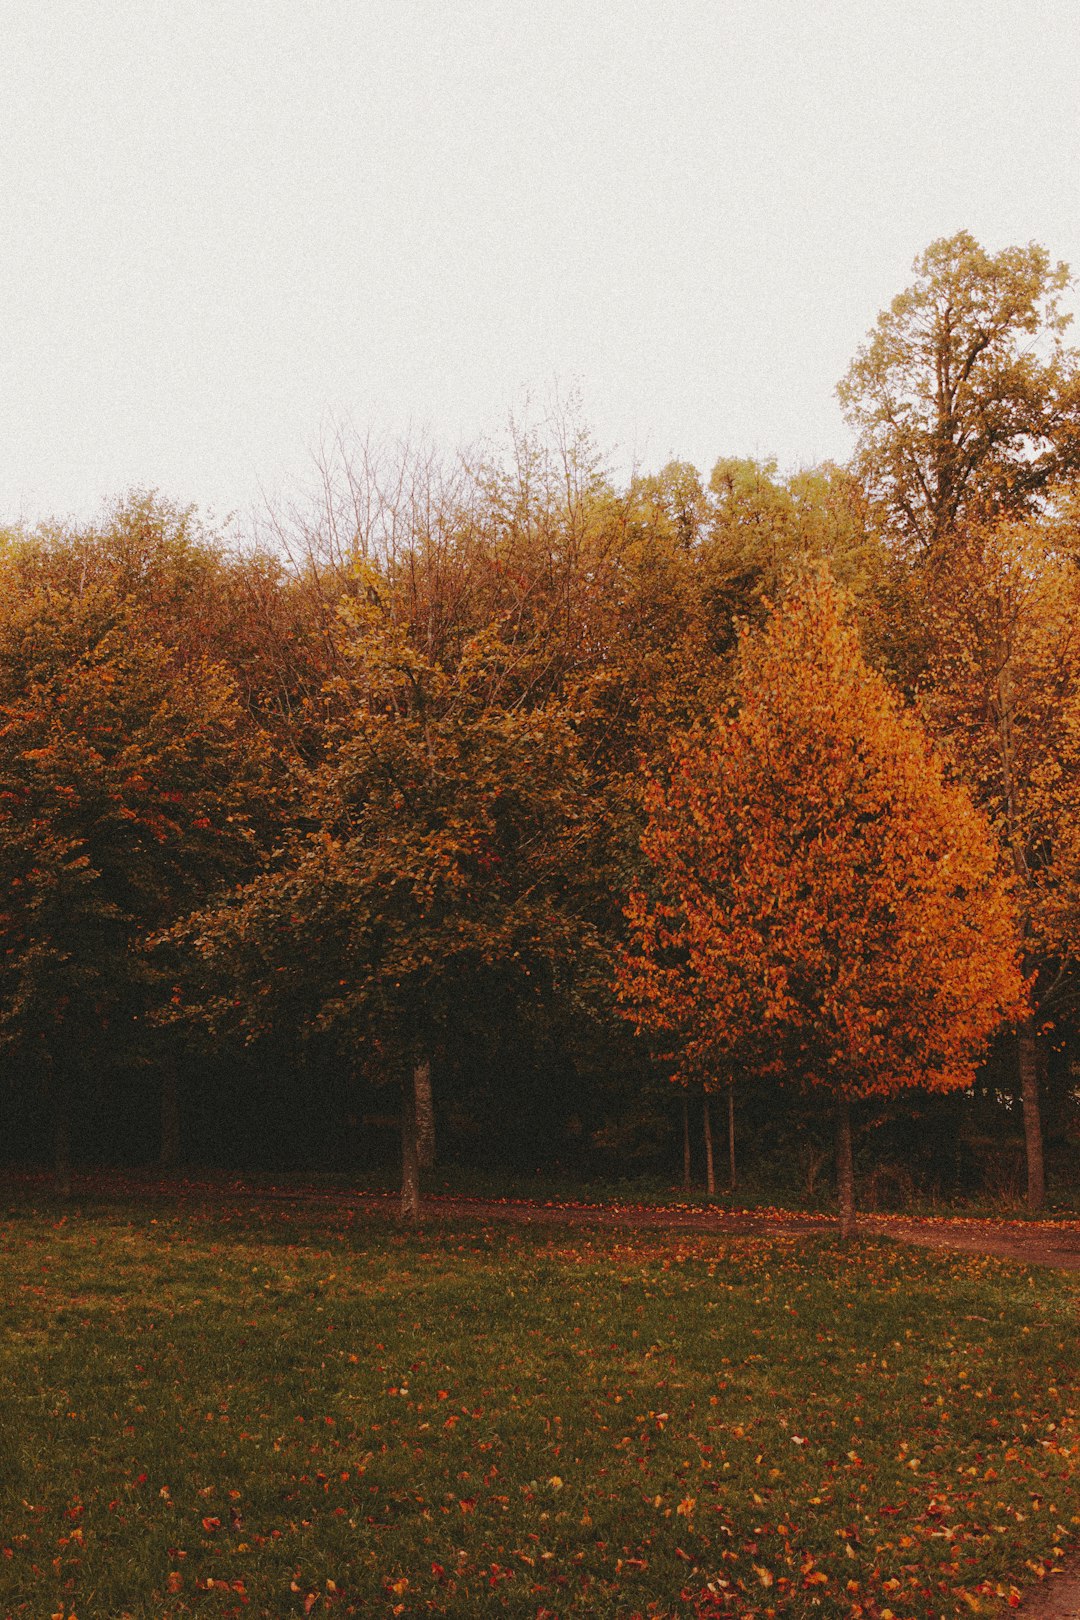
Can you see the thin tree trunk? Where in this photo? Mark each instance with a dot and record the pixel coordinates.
(410, 1164)
(425, 1114)
(731, 1136)
(686, 1142)
(1033, 1135)
(845, 1173)
(62, 1101)
(169, 1151)
(710, 1174)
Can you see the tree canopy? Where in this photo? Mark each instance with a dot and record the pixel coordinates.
(965, 397)
(349, 807)
(822, 900)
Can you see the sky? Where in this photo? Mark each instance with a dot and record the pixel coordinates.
(225, 224)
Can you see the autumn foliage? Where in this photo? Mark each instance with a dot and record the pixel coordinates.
(822, 901)
(347, 811)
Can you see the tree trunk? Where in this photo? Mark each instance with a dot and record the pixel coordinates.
(845, 1173)
(169, 1150)
(731, 1136)
(710, 1174)
(686, 1142)
(410, 1163)
(62, 1103)
(1033, 1136)
(425, 1114)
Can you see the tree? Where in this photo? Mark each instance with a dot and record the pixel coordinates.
(1002, 691)
(823, 904)
(126, 790)
(762, 525)
(965, 399)
(443, 873)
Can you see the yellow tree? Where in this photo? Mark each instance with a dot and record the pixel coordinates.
(825, 905)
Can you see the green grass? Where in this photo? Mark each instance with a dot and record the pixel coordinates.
(271, 1411)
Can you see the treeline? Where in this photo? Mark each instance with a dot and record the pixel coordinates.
(349, 814)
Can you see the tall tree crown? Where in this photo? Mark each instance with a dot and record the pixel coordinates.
(824, 902)
(965, 398)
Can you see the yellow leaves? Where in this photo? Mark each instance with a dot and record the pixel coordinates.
(765, 1576)
(686, 1507)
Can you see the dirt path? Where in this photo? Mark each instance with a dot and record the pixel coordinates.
(1037, 1243)
(1034, 1243)
(1042, 1243)
(1057, 1599)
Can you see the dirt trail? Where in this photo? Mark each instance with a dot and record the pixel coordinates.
(1034, 1243)
(1044, 1243)
(1037, 1243)
(1057, 1599)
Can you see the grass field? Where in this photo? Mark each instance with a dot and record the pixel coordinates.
(262, 1411)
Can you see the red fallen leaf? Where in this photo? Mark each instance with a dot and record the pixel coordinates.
(310, 1602)
(175, 1581)
(209, 1525)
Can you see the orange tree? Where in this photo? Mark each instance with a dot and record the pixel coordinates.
(823, 903)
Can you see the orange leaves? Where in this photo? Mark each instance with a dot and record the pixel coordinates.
(824, 903)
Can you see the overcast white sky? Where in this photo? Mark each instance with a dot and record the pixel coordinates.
(222, 221)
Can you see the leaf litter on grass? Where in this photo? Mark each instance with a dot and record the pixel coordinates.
(262, 1413)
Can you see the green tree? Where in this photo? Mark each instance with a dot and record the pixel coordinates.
(449, 871)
